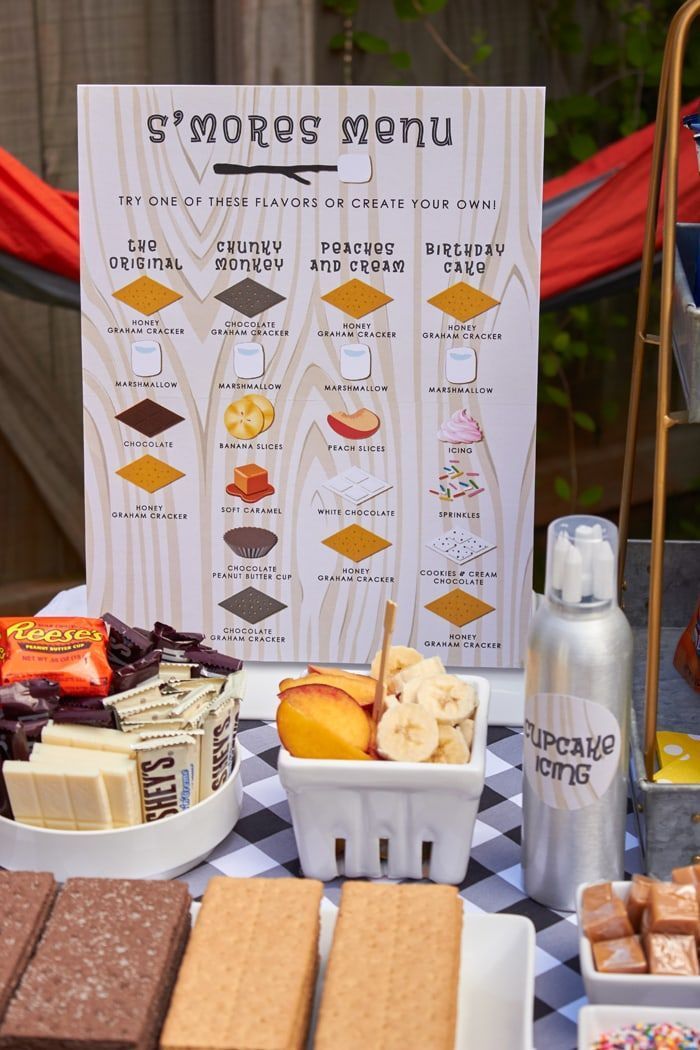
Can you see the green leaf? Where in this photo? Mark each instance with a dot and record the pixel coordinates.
(578, 349)
(580, 314)
(591, 495)
(405, 9)
(582, 146)
(562, 488)
(638, 50)
(583, 420)
(609, 410)
(561, 341)
(557, 396)
(343, 7)
(549, 363)
(604, 54)
(482, 52)
(579, 105)
(401, 60)
(337, 42)
(550, 127)
(373, 45)
(430, 7)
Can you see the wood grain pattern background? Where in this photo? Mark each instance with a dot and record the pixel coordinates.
(143, 569)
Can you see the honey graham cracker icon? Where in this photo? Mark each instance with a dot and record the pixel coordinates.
(459, 608)
(146, 296)
(356, 298)
(149, 473)
(356, 543)
(463, 302)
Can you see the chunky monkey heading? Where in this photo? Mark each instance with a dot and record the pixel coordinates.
(260, 131)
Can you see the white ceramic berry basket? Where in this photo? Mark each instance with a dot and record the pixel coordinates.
(162, 849)
(419, 816)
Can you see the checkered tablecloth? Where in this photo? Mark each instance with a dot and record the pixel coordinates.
(263, 844)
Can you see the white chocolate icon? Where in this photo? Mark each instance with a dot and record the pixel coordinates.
(355, 361)
(248, 360)
(354, 167)
(146, 358)
(460, 364)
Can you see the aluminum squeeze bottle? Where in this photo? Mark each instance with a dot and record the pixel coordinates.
(578, 692)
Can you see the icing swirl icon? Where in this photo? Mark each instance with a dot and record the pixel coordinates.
(460, 429)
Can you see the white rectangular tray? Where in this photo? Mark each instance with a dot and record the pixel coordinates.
(496, 978)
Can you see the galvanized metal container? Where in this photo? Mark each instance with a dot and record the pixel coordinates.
(668, 814)
(686, 316)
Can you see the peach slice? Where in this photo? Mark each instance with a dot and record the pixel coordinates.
(360, 688)
(304, 737)
(333, 710)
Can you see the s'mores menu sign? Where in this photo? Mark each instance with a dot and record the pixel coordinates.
(310, 357)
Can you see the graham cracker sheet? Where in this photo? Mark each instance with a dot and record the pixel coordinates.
(463, 302)
(149, 473)
(146, 296)
(356, 298)
(356, 542)
(459, 608)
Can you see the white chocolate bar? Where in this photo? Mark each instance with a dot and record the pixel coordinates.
(119, 773)
(168, 774)
(68, 735)
(51, 797)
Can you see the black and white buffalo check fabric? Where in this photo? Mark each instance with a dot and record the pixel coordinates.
(262, 843)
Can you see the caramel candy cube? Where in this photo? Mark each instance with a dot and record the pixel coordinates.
(622, 955)
(250, 478)
(672, 955)
(689, 874)
(595, 895)
(673, 908)
(638, 898)
(606, 921)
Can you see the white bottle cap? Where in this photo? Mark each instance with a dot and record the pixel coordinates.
(571, 590)
(561, 546)
(603, 572)
(581, 560)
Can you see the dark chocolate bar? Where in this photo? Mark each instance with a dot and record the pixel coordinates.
(125, 644)
(149, 418)
(213, 663)
(174, 643)
(26, 898)
(128, 676)
(103, 971)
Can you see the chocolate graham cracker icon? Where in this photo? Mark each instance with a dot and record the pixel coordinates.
(249, 297)
(252, 605)
(356, 543)
(146, 296)
(356, 298)
(458, 607)
(463, 302)
(149, 418)
(149, 473)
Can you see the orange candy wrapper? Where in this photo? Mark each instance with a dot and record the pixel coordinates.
(687, 657)
(69, 650)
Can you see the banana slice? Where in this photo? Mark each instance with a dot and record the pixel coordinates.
(452, 747)
(266, 407)
(424, 669)
(407, 733)
(398, 657)
(447, 698)
(467, 729)
(244, 419)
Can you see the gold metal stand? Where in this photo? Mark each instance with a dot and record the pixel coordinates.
(664, 161)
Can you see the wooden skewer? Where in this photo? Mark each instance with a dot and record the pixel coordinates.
(380, 690)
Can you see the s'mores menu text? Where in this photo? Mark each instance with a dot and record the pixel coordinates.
(310, 321)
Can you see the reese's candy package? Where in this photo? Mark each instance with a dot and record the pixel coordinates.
(71, 651)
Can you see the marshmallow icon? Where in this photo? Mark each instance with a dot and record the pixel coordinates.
(248, 360)
(355, 361)
(146, 358)
(354, 167)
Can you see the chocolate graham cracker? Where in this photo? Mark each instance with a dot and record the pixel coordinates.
(104, 968)
(247, 978)
(463, 302)
(252, 605)
(149, 473)
(356, 298)
(381, 990)
(458, 607)
(249, 297)
(146, 296)
(149, 418)
(26, 898)
(356, 543)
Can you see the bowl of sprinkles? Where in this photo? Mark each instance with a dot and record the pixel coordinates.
(635, 1028)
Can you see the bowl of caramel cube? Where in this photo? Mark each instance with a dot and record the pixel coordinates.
(639, 940)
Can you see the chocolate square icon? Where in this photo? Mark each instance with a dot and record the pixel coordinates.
(149, 418)
(252, 605)
(249, 297)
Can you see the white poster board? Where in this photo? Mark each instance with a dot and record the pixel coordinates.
(310, 320)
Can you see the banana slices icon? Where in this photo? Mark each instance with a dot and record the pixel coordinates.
(249, 416)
